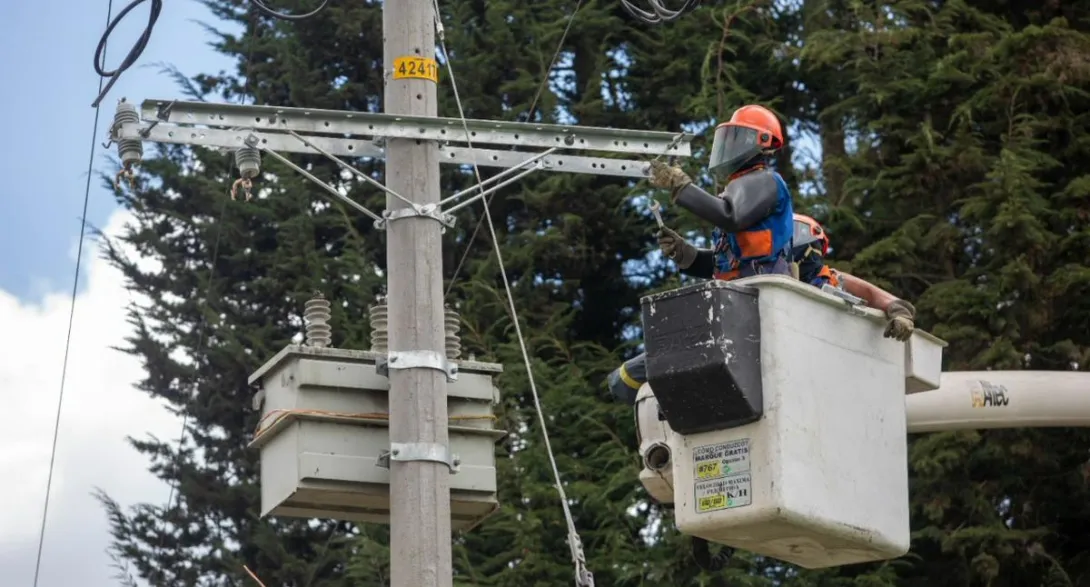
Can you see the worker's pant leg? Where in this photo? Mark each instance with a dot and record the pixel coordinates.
(625, 381)
(778, 267)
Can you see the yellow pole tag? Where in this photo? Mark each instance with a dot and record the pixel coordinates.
(416, 68)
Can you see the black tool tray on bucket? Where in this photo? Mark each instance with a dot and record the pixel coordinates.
(703, 345)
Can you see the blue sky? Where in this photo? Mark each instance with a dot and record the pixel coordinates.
(50, 82)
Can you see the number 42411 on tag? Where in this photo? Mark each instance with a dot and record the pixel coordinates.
(416, 68)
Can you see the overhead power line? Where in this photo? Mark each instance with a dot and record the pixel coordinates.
(583, 576)
(72, 308)
(134, 53)
(264, 8)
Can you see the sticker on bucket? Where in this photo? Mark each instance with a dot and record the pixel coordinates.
(725, 493)
(713, 461)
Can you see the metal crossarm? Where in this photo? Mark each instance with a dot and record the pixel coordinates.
(341, 147)
(366, 124)
(250, 130)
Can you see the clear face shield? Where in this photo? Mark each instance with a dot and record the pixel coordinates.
(734, 146)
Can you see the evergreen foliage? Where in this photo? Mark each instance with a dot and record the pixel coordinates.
(954, 139)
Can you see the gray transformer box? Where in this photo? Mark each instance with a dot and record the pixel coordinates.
(324, 425)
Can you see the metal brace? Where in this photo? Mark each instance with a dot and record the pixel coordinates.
(417, 360)
(419, 451)
(416, 210)
(855, 304)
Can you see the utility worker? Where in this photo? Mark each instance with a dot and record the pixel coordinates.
(752, 216)
(811, 246)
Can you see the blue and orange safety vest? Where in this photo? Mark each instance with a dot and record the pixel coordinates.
(762, 243)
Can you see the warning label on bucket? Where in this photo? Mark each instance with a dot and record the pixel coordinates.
(713, 461)
(720, 494)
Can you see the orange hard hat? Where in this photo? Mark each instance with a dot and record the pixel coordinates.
(751, 131)
(809, 231)
(762, 120)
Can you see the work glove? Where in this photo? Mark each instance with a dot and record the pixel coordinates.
(677, 248)
(901, 315)
(669, 177)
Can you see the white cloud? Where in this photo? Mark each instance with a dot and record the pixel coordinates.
(101, 407)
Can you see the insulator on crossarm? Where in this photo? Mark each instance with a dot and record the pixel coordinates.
(452, 323)
(129, 150)
(316, 314)
(380, 325)
(248, 161)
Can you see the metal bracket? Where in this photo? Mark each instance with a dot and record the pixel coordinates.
(416, 211)
(417, 360)
(419, 451)
(855, 304)
(253, 141)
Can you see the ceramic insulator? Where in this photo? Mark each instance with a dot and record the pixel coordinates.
(129, 150)
(452, 323)
(316, 314)
(380, 325)
(248, 161)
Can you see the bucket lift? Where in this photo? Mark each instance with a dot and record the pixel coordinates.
(777, 423)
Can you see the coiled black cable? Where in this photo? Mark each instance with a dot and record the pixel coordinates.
(264, 8)
(659, 12)
(134, 53)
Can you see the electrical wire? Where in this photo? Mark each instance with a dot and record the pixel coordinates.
(529, 118)
(264, 8)
(264, 425)
(71, 318)
(253, 576)
(659, 13)
(583, 576)
(134, 53)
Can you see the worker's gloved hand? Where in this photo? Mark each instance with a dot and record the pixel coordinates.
(676, 247)
(668, 176)
(901, 315)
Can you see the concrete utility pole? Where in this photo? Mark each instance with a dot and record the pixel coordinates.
(420, 538)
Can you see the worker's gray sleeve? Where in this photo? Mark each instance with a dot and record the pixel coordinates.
(704, 265)
(746, 201)
(636, 371)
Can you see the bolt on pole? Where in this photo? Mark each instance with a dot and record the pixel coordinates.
(420, 525)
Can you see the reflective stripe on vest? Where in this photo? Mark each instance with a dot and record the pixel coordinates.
(627, 379)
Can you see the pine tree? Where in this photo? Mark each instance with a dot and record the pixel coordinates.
(965, 188)
(229, 295)
(235, 274)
